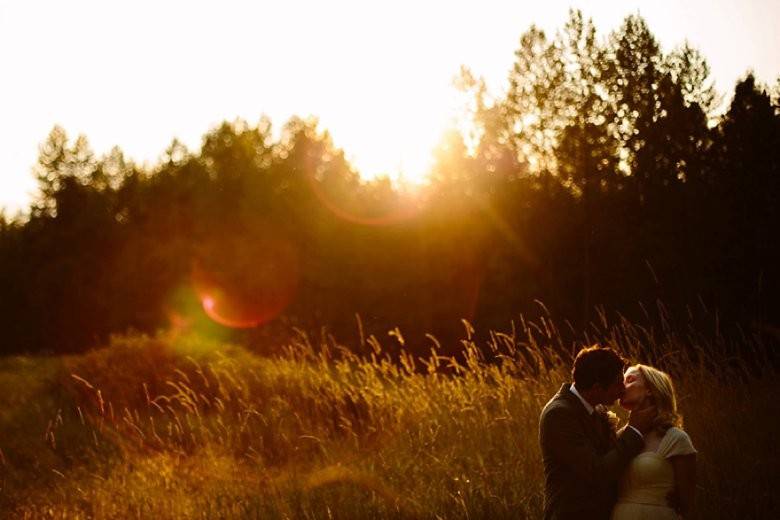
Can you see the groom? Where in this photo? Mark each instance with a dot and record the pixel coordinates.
(583, 458)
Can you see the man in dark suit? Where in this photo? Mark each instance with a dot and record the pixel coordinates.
(583, 457)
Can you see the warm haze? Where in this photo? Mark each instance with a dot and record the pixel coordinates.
(256, 327)
(378, 76)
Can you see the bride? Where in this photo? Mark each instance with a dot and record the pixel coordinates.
(667, 466)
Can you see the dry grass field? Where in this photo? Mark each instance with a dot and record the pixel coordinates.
(181, 427)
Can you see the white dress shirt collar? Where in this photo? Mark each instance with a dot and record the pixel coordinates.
(586, 404)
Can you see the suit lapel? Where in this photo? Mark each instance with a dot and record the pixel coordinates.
(590, 422)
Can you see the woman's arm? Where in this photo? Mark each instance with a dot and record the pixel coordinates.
(684, 482)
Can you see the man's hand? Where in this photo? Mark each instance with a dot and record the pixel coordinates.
(642, 417)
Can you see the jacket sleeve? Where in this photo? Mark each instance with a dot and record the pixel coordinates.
(564, 438)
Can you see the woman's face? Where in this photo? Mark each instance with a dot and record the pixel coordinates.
(636, 390)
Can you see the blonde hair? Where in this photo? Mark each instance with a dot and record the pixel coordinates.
(662, 391)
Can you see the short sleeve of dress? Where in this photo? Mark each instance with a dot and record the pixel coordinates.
(676, 442)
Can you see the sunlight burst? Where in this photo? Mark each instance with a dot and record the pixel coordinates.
(407, 163)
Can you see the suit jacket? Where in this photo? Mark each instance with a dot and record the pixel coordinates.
(583, 461)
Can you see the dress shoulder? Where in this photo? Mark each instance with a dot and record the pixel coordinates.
(676, 442)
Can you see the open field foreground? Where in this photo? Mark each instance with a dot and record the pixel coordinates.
(180, 427)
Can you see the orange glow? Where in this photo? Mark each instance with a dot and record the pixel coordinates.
(244, 282)
(229, 314)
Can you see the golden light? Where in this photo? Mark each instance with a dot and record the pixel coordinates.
(378, 76)
(395, 139)
(405, 160)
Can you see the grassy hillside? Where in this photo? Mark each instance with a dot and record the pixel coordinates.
(180, 427)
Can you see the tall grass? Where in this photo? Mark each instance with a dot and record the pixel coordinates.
(181, 427)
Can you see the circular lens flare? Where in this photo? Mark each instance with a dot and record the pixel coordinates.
(230, 314)
(244, 282)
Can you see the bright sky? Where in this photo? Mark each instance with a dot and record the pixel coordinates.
(377, 74)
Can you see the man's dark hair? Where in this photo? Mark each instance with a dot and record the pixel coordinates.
(595, 365)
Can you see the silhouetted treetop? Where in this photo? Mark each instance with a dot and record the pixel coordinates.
(601, 177)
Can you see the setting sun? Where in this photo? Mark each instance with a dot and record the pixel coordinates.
(382, 142)
(377, 76)
(395, 151)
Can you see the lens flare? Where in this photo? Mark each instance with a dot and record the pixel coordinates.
(244, 282)
(230, 313)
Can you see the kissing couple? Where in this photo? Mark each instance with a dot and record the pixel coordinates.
(594, 471)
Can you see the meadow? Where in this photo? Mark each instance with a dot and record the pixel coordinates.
(179, 426)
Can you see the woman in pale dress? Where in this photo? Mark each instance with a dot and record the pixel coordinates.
(660, 482)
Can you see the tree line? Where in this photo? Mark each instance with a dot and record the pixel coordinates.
(603, 179)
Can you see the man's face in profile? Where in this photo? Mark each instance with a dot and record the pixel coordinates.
(613, 392)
